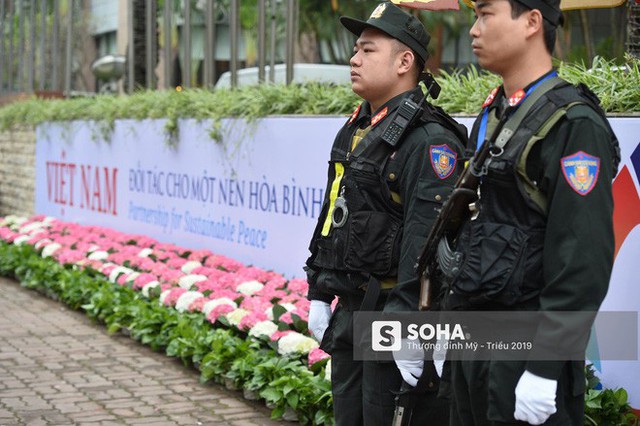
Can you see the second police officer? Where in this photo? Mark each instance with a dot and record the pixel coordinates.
(386, 179)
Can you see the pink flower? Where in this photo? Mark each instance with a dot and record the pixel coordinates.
(200, 255)
(173, 295)
(176, 263)
(316, 355)
(222, 262)
(299, 286)
(218, 311)
(196, 305)
(286, 318)
(248, 321)
(66, 256)
(280, 334)
(7, 234)
(143, 279)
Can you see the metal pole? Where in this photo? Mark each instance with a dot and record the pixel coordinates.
(67, 74)
(210, 44)
(186, 33)
(20, 75)
(291, 39)
(32, 44)
(151, 43)
(234, 29)
(43, 44)
(2, 40)
(130, 49)
(55, 47)
(167, 44)
(262, 59)
(11, 67)
(272, 57)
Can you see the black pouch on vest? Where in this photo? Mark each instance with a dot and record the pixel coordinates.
(493, 267)
(373, 243)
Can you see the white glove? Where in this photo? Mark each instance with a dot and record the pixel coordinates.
(439, 355)
(535, 398)
(410, 361)
(319, 315)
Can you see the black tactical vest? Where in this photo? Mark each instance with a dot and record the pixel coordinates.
(369, 241)
(502, 247)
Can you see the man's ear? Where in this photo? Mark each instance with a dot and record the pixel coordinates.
(407, 60)
(534, 22)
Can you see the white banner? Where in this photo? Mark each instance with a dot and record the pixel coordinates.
(256, 195)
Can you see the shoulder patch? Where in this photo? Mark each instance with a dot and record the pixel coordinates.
(443, 160)
(581, 171)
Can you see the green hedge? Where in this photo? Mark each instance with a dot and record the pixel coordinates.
(463, 92)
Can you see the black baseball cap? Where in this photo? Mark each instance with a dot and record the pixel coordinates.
(393, 21)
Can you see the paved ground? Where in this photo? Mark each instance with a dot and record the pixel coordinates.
(57, 367)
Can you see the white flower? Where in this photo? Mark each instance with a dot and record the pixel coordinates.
(234, 317)
(43, 242)
(49, 249)
(263, 328)
(32, 228)
(186, 299)
(249, 287)
(145, 252)
(98, 255)
(211, 304)
(296, 343)
(163, 295)
(188, 267)
(327, 371)
(18, 241)
(188, 280)
(132, 276)
(106, 265)
(115, 273)
(12, 221)
(49, 220)
(288, 306)
(147, 288)
(92, 248)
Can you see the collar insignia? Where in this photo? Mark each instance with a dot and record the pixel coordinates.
(354, 114)
(516, 98)
(379, 116)
(490, 98)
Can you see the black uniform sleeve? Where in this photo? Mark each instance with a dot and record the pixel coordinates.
(579, 238)
(422, 191)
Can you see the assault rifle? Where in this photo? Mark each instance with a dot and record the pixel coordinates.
(453, 214)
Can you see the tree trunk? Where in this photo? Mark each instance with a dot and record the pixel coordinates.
(633, 29)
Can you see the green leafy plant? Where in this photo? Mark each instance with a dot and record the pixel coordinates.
(606, 406)
(463, 91)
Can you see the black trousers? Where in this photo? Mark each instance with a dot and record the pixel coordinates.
(483, 393)
(362, 390)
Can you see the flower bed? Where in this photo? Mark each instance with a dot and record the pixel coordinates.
(238, 325)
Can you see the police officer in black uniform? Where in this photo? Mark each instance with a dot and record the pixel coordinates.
(543, 237)
(381, 198)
